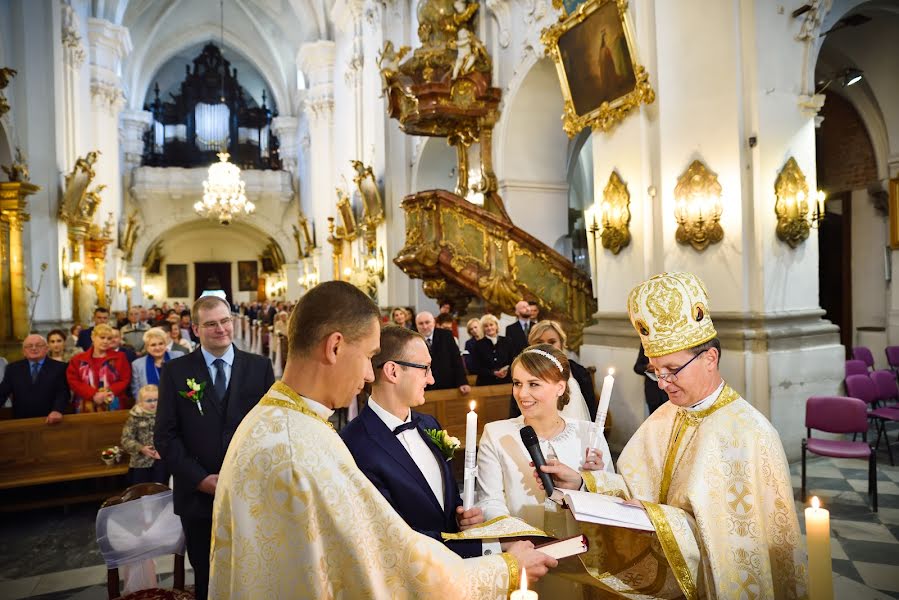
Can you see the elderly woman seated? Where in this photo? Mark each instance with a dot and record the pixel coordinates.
(145, 370)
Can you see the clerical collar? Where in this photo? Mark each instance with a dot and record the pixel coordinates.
(388, 417)
(707, 401)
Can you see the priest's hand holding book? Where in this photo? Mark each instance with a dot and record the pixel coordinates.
(536, 563)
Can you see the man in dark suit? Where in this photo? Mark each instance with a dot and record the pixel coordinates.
(517, 332)
(446, 360)
(101, 315)
(192, 434)
(390, 445)
(37, 383)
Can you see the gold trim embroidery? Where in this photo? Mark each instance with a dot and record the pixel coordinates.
(671, 549)
(514, 571)
(463, 535)
(589, 481)
(295, 402)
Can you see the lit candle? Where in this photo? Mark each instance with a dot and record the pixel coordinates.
(817, 536)
(523, 593)
(604, 397)
(471, 463)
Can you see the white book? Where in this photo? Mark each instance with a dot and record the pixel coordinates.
(602, 509)
(560, 549)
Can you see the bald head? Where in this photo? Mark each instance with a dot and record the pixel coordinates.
(523, 310)
(424, 323)
(34, 347)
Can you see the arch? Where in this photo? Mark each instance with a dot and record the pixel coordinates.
(146, 64)
(435, 168)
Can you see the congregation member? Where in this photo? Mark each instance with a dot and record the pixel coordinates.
(56, 342)
(447, 322)
(72, 339)
(400, 317)
(540, 376)
(393, 444)
(581, 397)
(492, 355)
(291, 494)
(203, 397)
(145, 369)
(85, 336)
(133, 331)
(517, 332)
(446, 363)
(36, 383)
(473, 327)
(99, 377)
(145, 464)
(116, 345)
(707, 467)
(535, 311)
(178, 342)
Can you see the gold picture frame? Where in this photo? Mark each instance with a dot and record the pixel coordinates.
(601, 93)
(894, 213)
(347, 218)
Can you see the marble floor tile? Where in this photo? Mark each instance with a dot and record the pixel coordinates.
(843, 587)
(873, 552)
(883, 487)
(823, 470)
(18, 588)
(888, 516)
(836, 550)
(871, 532)
(881, 577)
(67, 580)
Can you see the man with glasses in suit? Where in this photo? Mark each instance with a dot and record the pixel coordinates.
(37, 383)
(203, 397)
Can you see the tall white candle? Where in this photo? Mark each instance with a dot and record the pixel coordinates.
(603, 409)
(471, 464)
(817, 535)
(523, 593)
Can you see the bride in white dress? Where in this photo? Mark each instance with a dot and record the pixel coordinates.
(506, 483)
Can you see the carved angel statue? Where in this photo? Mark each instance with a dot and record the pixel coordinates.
(464, 13)
(18, 170)
(128, 236)
(76, 184)
(469, 50)
(88, 208)
(5, 75)
(389, 62)
(368, 190)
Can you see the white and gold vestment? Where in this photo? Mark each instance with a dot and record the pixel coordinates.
(295, 518)
(719, 495)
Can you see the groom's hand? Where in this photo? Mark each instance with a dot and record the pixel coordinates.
(468, 518)
(535, 562)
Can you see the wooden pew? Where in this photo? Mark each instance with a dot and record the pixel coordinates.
(33, 453)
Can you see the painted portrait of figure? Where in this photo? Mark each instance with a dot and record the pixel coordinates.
(597, 59)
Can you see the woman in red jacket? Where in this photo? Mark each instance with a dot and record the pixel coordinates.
(99, 378)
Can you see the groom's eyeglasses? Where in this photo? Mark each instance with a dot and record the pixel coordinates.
(403, 363)
(214, 324)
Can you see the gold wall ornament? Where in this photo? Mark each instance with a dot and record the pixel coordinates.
(596, 59)
(791, 205)
(616, 214)
(698, 207)
(128, 231)
(18, 170)
(14, 323)
(5, 75)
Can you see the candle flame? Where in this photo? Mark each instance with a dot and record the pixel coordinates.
(524, 580)
(611, 371)
(471, 405)
(816, 504)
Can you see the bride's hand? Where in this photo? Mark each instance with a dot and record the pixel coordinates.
(593, 460)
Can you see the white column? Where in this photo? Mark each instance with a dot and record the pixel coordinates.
(292, 272)
(316, 60)
(109, 45)
(132, 126)
(286, 130)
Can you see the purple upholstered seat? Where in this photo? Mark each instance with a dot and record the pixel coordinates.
(885, 382)
(892, 353)
(863, 353)
(839, 414)
(863, 388)
(856, 367)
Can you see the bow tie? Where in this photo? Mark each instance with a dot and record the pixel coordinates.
(406, 426)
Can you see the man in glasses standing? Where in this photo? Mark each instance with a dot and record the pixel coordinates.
(203, 397)
(390, 443)
(707, 467)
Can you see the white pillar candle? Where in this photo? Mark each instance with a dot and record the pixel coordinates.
(471, 464)
(817, 536)
(523, 593)
(603, 409)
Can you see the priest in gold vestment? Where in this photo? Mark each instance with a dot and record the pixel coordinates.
(708, 468)
(294, 517)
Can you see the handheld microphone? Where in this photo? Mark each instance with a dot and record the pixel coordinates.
(532, 445)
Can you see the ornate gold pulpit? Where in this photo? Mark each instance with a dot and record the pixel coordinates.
(459, 248)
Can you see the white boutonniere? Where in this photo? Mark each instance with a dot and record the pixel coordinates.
(444, 441)
(194, 393)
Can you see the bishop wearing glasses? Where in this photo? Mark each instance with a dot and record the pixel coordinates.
(707, 467)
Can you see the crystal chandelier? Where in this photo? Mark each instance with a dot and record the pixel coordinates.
(223, 193)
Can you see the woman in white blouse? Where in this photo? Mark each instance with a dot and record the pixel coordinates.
(506, 483)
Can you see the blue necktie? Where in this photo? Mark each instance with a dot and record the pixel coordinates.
(35, 369)
(220, 384)
(412, 424)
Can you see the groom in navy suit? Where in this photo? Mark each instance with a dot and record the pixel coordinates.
(390, 445)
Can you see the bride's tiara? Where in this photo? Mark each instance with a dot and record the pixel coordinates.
(549, 356)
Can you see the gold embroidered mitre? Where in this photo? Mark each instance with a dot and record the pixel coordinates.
(670, 312)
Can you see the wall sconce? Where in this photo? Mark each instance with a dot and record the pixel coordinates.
(616, 214)
(127, 283)
(92, 278)
(68, 268)
(791, 205)
(374, 264)
(698, 207)
(150, 291)
(310, 278)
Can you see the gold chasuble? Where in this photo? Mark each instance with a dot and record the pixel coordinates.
(295, 518)
(716, 487)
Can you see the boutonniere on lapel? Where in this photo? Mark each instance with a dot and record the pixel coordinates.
(444, 441)
(194, 393)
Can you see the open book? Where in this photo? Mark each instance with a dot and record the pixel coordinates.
(602, 509)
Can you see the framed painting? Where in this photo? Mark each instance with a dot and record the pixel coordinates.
(894, 213)
(247, 276)
(596, 59)
(176, 281)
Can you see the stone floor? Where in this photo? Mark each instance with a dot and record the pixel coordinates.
(51, 555)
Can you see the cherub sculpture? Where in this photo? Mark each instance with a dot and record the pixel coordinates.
(389, 62)
(18, 170)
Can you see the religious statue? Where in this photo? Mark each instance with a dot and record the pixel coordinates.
(75, 201)
(5, 75)
(389, 62)
(18, 170)
(128, 236)
(469, 50)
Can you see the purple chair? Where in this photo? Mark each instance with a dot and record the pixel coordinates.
(864, 388)
(892, 353)
(863, 353)
(838, 414)
(885, 381)
(856, 367)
